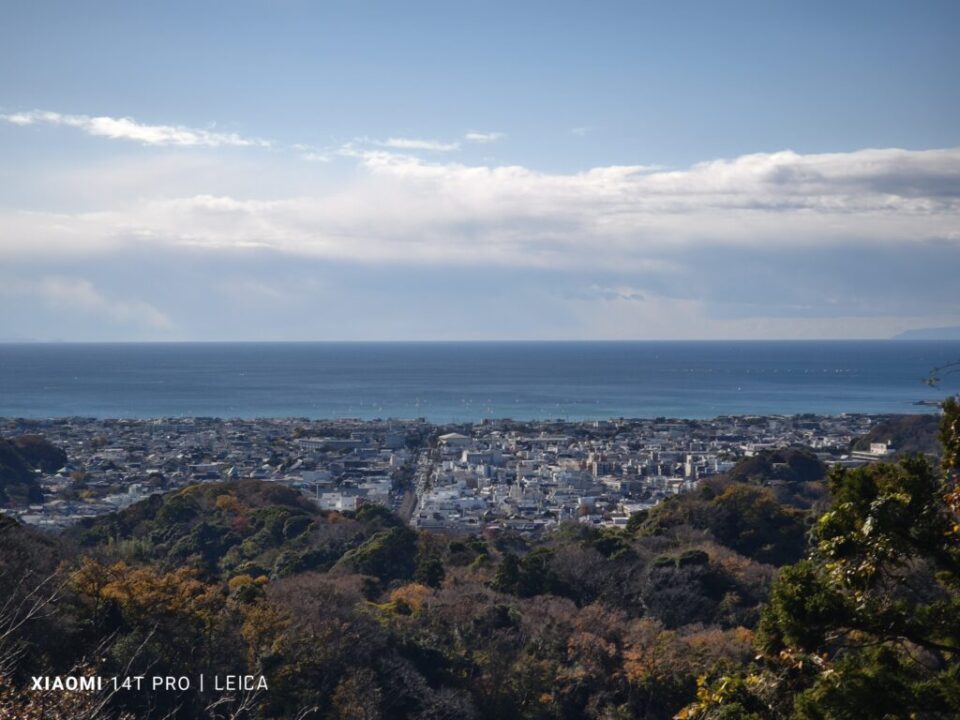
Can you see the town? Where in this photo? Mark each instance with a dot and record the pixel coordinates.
(521, 476)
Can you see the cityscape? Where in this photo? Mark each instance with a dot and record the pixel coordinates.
(469, 478)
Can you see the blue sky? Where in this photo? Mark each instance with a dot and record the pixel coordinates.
(478, 170)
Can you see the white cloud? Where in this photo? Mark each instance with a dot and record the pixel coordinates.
(483, 137)
(626, 218)
(399, 143)
(72, 295)
(129, 129)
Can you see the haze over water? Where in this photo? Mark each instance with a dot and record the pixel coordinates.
(446, 382)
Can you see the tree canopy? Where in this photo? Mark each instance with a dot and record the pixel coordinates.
(868, 624)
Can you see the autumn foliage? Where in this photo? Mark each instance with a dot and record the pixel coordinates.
(741, 599)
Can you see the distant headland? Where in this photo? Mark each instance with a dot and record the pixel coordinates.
(937, 333)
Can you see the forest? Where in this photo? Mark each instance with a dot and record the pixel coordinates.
(777, 591)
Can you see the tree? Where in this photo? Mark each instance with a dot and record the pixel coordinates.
(869, 624)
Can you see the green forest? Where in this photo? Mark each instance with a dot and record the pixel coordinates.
(779, 590)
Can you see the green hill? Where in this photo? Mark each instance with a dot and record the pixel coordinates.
(907, 433)
(786, 464)
(231, 528)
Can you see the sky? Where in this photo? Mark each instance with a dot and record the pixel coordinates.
(459, 170)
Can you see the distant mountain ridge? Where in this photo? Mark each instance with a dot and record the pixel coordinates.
(937, 333)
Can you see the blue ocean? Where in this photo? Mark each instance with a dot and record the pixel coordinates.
(470, 381)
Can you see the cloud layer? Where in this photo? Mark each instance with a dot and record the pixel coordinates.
(401, 208)
(125, 128)
(210, 245)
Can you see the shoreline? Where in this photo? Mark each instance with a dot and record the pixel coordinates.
(924, 407)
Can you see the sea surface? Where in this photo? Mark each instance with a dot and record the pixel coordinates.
(445, 382)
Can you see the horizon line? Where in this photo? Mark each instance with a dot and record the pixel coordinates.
(18, 341)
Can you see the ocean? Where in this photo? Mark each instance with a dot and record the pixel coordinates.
(470, 381)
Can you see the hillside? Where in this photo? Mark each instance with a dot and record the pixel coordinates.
(785, 464)
(20, 459)
(238, 570)
(908, 434)
(226, 529)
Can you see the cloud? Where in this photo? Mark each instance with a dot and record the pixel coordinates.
(399, 143)
(403, 209)
(482, 137)
(72, 295)
(129, 129)
(779, 244)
